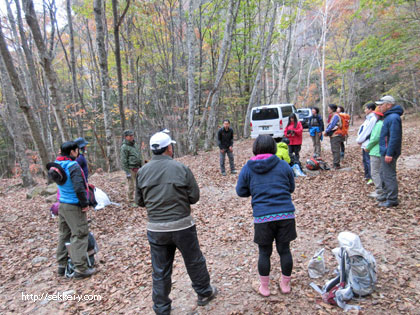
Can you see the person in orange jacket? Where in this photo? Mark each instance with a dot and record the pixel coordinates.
(293, 132)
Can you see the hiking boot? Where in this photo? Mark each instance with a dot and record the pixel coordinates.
(370, 181)
(381, 198)
(85, 274)
(234, 172)
(204, 300)
(388, 204)
(224, 173)
(61, 271)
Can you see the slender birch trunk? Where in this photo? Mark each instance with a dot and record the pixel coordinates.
(46, 63)
(10, 115)
(104, 78)
(192, 147)
(261, 67)
(22, 100)
(222, 64)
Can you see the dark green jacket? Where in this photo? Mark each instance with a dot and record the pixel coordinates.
(166, 188)
(130, 156)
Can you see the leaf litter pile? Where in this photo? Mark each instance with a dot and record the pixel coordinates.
(326, 203)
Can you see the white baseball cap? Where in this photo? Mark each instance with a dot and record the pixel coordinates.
(386, 99)
(160, 140)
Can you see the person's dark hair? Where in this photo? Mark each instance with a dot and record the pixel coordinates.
(264, 144)
(342, 110)
(278, 139)
(316, 109)
(333, 107)
(371, 106)
(67, 147)
(294, 120)
(226, 120)
(159, 151)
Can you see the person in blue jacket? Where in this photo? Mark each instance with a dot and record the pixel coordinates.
(390, 142)
(72, 219)
(316, 128)
(270, 182)
(82, 143)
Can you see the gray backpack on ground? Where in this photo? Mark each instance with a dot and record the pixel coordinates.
(360, 264)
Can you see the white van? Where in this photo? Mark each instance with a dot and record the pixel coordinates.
(270, 119)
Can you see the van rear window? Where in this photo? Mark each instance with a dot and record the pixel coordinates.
(287, 111)
(265, 114)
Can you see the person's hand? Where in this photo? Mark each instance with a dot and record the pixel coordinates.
(366, 150)
(388, 159)
(230, 149)
(128, 175)
(85, 209)
(222, 151)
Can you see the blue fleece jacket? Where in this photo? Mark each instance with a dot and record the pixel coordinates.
(74, 189)
(391, 133)
(270, 182)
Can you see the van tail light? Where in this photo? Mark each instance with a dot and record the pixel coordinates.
(281, 124)
(250, 124)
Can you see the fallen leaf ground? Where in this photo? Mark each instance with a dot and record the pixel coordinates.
(328, 203)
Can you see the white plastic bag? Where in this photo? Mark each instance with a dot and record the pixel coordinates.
(316, 266)
(101, 198)
(297, 171)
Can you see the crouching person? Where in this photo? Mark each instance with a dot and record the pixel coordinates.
(73, 225)
(167, 188)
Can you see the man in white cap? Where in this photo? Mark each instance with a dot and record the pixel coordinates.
(167, 188)
(390, 142)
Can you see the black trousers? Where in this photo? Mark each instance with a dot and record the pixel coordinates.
(162, 248)
(294, 151)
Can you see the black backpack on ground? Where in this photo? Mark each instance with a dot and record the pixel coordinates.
(90, 255)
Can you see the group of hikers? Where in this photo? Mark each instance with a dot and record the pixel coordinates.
(380, 138)
(167, 189)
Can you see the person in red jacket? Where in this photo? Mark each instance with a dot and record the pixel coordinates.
(293, 131)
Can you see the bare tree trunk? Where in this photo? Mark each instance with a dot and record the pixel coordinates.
(75, 89)
(33, 85)
(117, 23)
(17, 131)
(221, 69)
(23, 102)
(292, 43)
(192, 147)
(322, 70)
(46, 63)
(415, 90)
(297, 88)
(261, 67)
(131, 96)
(103, 65)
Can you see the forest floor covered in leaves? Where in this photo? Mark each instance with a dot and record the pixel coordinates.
(328, 203)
